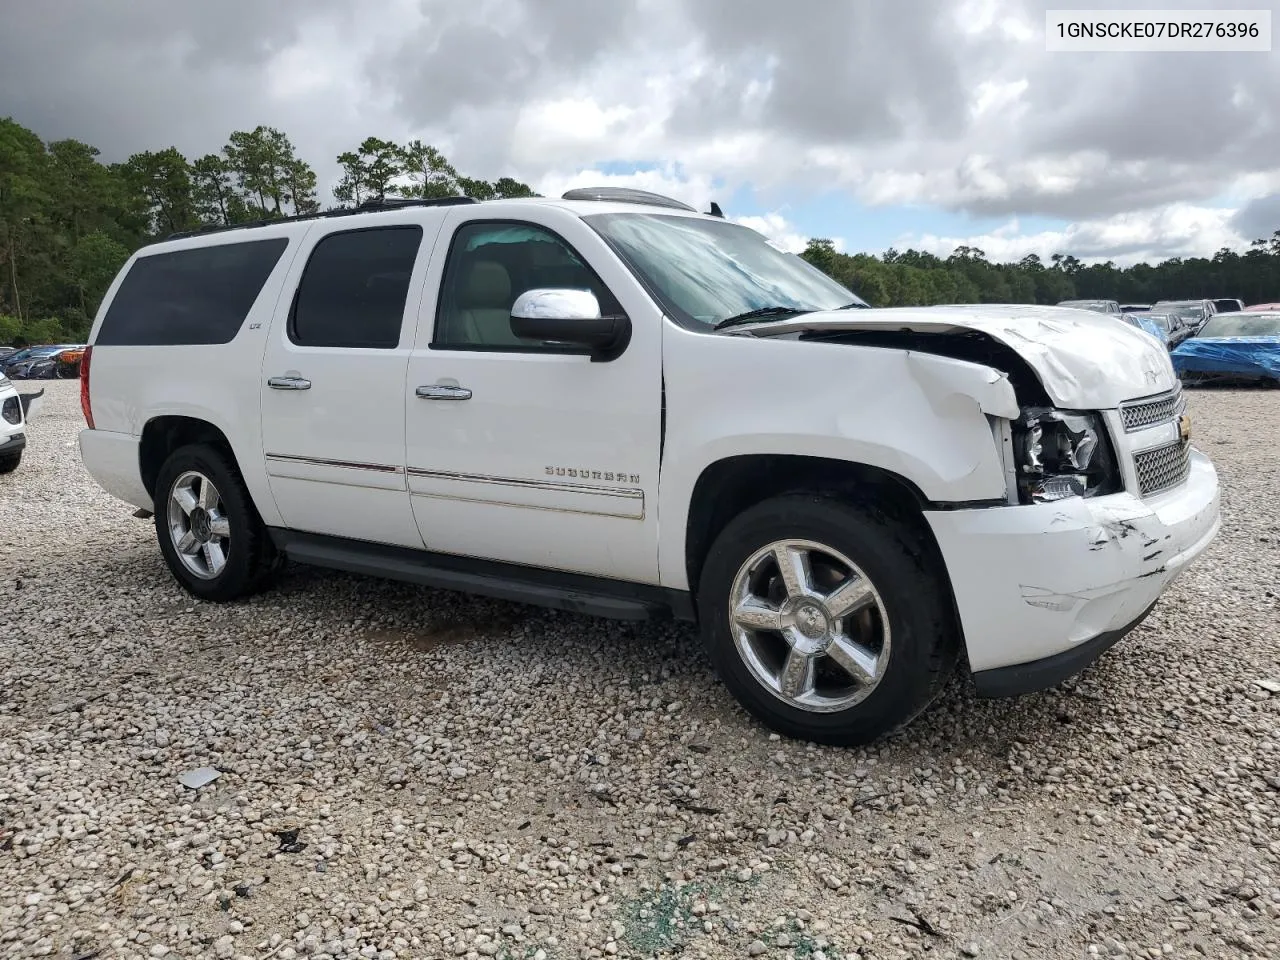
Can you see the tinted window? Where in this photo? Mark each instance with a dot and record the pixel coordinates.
(489, 266)
(200, 295)
(354, 288)
(1236, 324)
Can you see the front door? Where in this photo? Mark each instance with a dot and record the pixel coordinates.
(517, 450)
(334, 379)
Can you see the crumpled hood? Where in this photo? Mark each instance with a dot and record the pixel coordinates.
(1085, 360)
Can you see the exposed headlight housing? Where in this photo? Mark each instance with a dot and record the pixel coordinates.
(1062, 453)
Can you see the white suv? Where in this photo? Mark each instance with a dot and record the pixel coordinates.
(14, 414)
(613, 404)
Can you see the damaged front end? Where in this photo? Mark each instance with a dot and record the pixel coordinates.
(1062, 453)
(1051, 453)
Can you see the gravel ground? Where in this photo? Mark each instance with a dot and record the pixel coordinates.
(408, 773)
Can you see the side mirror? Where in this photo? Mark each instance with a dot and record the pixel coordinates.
(570, 317)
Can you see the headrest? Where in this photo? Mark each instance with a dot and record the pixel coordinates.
(487, 286)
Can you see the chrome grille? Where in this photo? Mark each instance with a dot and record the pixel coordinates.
(1140, 414)
(1162, 467)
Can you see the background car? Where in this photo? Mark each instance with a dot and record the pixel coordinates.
(1243, 346)
(1135, 307)
(1158, 327)
(68, 362)
(38, 362)
(1097, 306)
(1186, 313)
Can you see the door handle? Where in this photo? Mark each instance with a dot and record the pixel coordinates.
(288, 383)
(440, 391)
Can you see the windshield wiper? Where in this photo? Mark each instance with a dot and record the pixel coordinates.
(758, 314)
(856, 305)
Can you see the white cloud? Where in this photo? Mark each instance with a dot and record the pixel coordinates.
(669, 181)
(1178, 230)
(776, 228)
(920, 103)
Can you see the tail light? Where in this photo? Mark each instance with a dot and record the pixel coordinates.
(85, 406)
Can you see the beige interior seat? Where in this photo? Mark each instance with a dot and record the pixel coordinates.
(484, 314)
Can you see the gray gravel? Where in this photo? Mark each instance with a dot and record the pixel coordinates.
(407, 773)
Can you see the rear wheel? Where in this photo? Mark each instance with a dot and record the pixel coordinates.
(827, 621)
(211, 536)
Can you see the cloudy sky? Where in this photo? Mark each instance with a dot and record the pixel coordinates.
(924, 123)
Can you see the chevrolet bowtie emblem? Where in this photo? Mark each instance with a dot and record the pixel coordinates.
(1184, 428)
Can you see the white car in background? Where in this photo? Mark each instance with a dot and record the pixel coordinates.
(15, 410)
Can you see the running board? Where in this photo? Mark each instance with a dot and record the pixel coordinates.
(575, 592)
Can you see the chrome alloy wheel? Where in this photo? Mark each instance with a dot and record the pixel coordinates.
(809, 625)
(198, 528)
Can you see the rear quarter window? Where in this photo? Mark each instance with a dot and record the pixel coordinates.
(196, 296)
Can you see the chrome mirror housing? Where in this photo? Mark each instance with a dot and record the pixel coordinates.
(555, 304)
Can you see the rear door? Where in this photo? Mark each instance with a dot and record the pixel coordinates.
(333, 379)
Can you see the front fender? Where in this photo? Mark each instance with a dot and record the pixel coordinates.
(924, 418)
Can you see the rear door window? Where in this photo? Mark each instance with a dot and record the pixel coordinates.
(353, 291)
(196, 296)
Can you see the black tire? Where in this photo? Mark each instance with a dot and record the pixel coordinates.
(251, 560)
(9, 462)
(913, 593)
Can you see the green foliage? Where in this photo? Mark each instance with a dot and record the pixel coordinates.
(378, 169)
(95, 260)
(44, 330)
(267, 171)
(916, 278)
(10, 328)
(428, 172)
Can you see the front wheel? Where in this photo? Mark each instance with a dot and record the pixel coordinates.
(829, 622)
(209, 531)
(9, 462)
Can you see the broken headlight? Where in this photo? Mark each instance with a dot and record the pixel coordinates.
(1060, 454)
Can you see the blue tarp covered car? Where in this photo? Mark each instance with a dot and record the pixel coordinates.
(1158, 328)
(1232, 346)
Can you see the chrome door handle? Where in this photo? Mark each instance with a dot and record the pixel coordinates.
(439, 391)
(288, 383)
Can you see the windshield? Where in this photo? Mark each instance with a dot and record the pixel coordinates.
(1186, 310)
(31, 353)
(705, 271)
(1242, 325)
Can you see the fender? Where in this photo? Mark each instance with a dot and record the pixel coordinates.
(927, 419)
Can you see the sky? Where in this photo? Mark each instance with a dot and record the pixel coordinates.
(877, 123)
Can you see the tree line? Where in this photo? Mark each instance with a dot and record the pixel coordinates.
(915, 278)
(68, 222)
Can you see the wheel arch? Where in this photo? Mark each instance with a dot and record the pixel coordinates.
(727, 487)
(162, 435)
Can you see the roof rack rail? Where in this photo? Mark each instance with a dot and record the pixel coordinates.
(368, 206)
(625, 195)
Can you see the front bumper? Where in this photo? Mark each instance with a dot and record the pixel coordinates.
(1047, 588)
